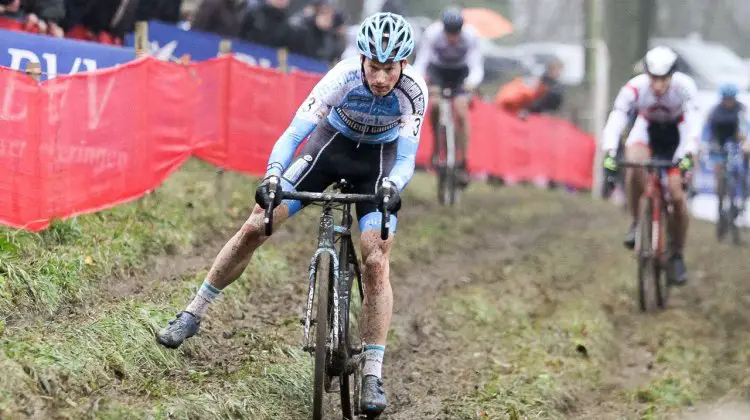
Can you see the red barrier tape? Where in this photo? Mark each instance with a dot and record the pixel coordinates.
(82, 143)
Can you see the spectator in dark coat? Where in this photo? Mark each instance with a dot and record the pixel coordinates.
(10, 7)
(320, 36)
(223, 17)
(551, 90)
(115, 17)
(163, 10)
(268, 24)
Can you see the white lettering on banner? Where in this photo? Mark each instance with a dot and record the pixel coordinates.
(101, 159)
(51, 66)
(12, 148)
(9, 104)
(57, 97)
(17, 56)
(95, 112)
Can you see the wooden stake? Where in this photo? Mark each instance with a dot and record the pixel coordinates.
(141, 39)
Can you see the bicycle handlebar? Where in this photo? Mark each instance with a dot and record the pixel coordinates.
(651, 164)
(385, 222)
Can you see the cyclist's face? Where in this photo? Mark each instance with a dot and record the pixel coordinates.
(382, 78)
(659, 85)
(729, 102)
(452, 38)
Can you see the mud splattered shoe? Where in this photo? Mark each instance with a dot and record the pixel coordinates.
(184, 326)
(373, 400)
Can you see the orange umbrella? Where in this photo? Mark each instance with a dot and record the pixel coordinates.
(488, 23)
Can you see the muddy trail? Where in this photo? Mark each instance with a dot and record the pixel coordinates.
(519, 303)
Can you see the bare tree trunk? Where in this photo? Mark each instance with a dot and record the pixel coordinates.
(620, 32)
(646, 20)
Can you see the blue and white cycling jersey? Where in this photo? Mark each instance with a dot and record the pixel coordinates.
(353, 110)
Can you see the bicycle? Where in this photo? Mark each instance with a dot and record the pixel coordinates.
(335, 280)
(654, 223)
(732, 184)
(445, 151)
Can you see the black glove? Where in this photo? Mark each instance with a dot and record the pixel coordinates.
(388, 190)
(269, 185)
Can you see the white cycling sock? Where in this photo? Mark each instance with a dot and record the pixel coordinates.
(374, 360)
(206, 294)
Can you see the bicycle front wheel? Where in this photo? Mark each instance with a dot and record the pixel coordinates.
(651, 287)
(322, 280)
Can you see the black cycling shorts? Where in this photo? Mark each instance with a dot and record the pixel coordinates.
(447, 77)
(664, 138)
(327, 157)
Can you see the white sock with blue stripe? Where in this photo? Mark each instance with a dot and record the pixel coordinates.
(206, 294)
(374, 360)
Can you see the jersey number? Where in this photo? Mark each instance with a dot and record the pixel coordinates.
(417, 122)
(310, 102)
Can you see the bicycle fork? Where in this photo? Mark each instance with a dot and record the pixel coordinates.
(325, 245)
(446, 119)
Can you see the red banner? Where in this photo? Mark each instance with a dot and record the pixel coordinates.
(81, 143)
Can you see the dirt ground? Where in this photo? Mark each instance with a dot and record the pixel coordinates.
(519, 303)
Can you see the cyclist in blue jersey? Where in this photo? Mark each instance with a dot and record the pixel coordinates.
(364, 119)
(727, 122)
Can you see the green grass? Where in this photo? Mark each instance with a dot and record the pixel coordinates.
(102, 359)
(553, 323)
(41, 272)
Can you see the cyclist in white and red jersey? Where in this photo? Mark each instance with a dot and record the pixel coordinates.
(667, 127)
(450, 56)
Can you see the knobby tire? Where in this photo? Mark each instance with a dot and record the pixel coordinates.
(650, 291)
(322, 280)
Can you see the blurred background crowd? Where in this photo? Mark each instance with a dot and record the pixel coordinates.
(539, 64)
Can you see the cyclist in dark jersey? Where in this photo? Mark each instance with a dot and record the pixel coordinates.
(725, 123)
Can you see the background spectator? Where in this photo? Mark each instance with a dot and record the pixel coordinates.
(321, 31)
(10, 7)
(550, 92)
(163, 10)
(223, 17)
(522, 96)
(111, 18)
(268, 24)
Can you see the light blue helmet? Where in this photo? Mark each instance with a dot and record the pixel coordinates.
(385, 37)
(728, 90)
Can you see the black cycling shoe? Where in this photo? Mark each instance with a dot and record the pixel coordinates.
(679, 277)
(372, 401)
(184, 326)
(629, 241)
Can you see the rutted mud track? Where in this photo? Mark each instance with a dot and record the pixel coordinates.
(545, 252)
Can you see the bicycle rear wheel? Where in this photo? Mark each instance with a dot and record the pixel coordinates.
(651, 283)
(323, 281)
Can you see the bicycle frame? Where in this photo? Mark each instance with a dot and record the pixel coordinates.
(654, 190)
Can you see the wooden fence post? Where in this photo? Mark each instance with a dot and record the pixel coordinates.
(141, 39)
(34, 70)
(282, 54)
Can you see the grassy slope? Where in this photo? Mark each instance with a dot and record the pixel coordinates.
(67, 349)
(566, 340)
